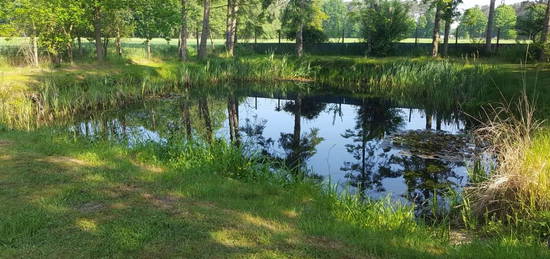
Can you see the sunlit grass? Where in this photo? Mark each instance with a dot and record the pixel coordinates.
(77, 198)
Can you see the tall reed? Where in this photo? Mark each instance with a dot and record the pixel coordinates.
(518, 188)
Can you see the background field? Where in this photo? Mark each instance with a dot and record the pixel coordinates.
(193, 42)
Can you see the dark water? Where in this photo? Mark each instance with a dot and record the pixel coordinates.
(355, 142)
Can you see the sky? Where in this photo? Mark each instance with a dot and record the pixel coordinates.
(471, 3)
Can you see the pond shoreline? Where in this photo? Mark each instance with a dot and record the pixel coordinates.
(153, 185)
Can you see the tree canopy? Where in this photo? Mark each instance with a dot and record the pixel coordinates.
(384, 22)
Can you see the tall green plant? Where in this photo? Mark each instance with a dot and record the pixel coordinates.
(385, 22)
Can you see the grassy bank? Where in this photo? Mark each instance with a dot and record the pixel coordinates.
(106, 200)
(68, 197)
(33, 96)
(30, 97)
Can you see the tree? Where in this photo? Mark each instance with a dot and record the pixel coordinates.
(384, 22)
(304, 18)
(255, 19)
(545, 30)
(426, 23)
(231, 25)
(49, 24)
(437, 24)
(490, 24)
(95, 8)
(25, 18)
(449, 13)
(505, 22)
(155, 18)
(335, 25)
(203, 52)
(184, 29)
(119, 22)
(59, 22)
(531, 23)
(474, 22)
(439, 6)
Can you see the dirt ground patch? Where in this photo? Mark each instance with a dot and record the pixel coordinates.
(5, 143)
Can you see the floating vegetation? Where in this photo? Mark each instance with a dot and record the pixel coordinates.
(436, 145)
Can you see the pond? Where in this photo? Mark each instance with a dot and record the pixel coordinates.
(374, 146)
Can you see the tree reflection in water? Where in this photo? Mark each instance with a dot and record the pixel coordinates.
(297, 147)
(375, 119)
(426, 179)
(369, 160)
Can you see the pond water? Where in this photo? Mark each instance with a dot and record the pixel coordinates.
(369, 145)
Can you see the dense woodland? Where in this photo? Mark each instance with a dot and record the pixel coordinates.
(60, 27)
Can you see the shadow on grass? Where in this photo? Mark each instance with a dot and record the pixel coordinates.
(64, 198)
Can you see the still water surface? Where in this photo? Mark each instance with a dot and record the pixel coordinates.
(349, 141)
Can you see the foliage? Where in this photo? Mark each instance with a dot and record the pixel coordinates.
(338, 22)
(311, 15)
(531, 23)
(385, 22)
(505, 21)
(474, 22)
(156, 18)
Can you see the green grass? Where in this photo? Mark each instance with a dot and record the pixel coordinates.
(442, 84)
(71, 198)
(31, 97)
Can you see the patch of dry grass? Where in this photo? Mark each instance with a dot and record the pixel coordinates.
(520, 183)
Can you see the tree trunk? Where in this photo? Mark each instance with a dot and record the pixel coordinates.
(203, 52)
(232, 110)
(446, 37)
(212, 46)
(148, 48)
(235, 37)
(205, 113)
(105, 46)
(117, 43)
(545, 31)
(296, 137)
(416, 35)
(198, 37)
(279, 32)
(186, 116)
(343, 34)
(300, 32)
(435, 38)
(70, 52)
(429, 118)
(231, 26)
(79, 40)
(182, 47)
(99, 51)
(34, 52)
(498, 38)
(490, 24)
(456, 38)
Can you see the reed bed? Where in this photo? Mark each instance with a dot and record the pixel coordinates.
(440, 84)
(58, 96)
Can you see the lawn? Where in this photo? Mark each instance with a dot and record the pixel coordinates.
(66, 197)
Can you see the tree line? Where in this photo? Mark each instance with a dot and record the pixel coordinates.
(59, 26)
